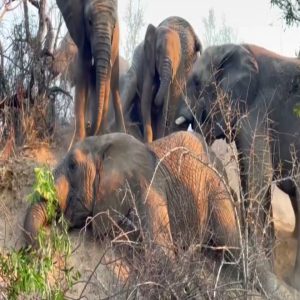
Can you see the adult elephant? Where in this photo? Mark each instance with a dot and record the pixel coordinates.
(251, 95)
(93, 26)
(169, 53)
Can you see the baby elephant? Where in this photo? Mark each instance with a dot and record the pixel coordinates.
(169, 184)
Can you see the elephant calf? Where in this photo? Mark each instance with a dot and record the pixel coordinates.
(179, 199)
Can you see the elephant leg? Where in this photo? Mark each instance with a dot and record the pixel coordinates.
(160, 124)
(224, 217)
(90, 95)
(81, 90)
(104, 124)
(116, 97)
(156, 225)
(256, 176)
(162, 128)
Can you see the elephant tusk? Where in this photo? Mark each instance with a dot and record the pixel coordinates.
(180, 120)
(93, 61)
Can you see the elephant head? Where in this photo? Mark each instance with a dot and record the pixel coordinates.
(89, 175)
(93, 26)
(163, 55)
(223, 82)
(170, 51)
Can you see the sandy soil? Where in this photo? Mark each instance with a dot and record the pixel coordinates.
(16, 178)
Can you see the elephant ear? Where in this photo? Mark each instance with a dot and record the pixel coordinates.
(237, 72)
(123, 154)
(149, 48)
(73, 14)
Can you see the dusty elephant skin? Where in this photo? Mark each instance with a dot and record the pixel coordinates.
(158, 74)
(93, 26)
(251, 95)
(96, 174)
(179, 199)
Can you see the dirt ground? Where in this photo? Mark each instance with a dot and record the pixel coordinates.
(16, 178)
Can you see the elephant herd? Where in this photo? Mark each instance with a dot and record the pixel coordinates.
(178, 189)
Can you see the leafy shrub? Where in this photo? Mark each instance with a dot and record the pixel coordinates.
(42, 271)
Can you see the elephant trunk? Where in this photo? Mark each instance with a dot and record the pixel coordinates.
(36, 216)
(35, 219)
(166, 79)
(102, 59)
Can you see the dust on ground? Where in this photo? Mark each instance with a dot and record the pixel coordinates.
(16, 179)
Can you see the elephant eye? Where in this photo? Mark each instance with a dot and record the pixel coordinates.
(90, 22)
(72, 165)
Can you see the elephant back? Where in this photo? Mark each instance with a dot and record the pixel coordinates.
(194, 189)
(181, 142)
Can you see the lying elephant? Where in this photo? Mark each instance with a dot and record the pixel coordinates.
(169, 179)
(180, 200)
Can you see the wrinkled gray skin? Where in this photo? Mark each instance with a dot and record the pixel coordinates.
(96, 176)
(93, 26)
(264, 89)
(92, 178)
(162, 63)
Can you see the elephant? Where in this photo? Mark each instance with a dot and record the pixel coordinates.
(93, 26)
(65, 57)
(173, 185)
(169, 53)
(250, 95)
(162, 177)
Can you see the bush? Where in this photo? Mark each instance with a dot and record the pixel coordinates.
(42, 271)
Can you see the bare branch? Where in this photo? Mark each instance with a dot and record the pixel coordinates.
(134, 20)
(49, 40)
(26, 21)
